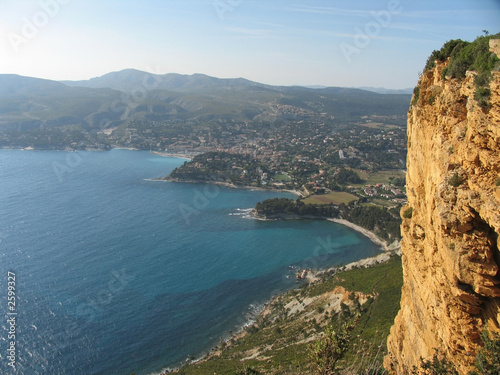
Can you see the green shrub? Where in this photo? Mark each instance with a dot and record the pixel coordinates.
(329, 349)
(416, 95)
(444, 73)
(248, 371)
(437, 366)
(482, 96)
(252, 329)
(449, 49)
(482, 79)
(488, 358)
(455, 180)
(497, 183)
(408, 213)
(465, 56)
(482, 93)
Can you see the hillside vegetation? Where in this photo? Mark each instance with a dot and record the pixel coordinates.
(287, 338)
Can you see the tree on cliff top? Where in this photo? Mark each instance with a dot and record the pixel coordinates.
(466, 56)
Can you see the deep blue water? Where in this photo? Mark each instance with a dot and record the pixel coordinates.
(118, 274)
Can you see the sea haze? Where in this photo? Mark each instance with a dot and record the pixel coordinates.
(116, 273)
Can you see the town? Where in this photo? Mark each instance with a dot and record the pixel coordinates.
(343, 162)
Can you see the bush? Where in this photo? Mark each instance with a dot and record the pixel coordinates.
(444, 73)
(482, 93)
(252, 329)
(449, 49)
(437, 366)
(416, 95)
(248, 371)
(482, 79)
(455, 180)
(465, 56)
(328, 350)
(408, 213)
(488, 358)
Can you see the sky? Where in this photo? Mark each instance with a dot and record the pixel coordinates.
(354, 43)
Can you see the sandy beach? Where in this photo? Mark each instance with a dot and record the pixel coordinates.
(173, 155)
(389, 249)
(372, 236)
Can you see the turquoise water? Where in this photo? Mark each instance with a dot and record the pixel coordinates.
(117, 274)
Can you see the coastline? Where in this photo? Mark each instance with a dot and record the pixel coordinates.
(227, 342)
(386, 247)
(179, 155)
(388, 252)
(230, 185)
(372, 236)
(365, 232)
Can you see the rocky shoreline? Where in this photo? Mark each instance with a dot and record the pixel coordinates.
(310, 277)
(230, 185)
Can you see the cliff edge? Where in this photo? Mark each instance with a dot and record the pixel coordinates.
(451, 224)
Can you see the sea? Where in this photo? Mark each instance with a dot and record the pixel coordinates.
(104, 270)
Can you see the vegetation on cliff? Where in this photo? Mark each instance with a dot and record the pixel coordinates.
(487, 360)
(337, 324)
(450, 226)
(464, 56)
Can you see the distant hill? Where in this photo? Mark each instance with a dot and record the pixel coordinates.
(12, 85)
(131, 79)
(30, 103)
(130, 96)
(381, 90)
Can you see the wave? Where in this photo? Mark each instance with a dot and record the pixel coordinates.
(243, 212)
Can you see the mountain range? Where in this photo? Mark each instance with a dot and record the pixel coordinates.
(120, 98)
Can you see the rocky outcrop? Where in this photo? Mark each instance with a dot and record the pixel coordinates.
(451, 224)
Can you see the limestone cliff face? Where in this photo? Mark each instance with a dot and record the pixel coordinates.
(450, 243)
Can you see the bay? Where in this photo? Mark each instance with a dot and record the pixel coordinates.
(119, 274)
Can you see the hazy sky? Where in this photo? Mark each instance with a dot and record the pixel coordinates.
(315, 42)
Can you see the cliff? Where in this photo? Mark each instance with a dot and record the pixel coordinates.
(450, 228)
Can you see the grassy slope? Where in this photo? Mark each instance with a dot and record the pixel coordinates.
(279, 342)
